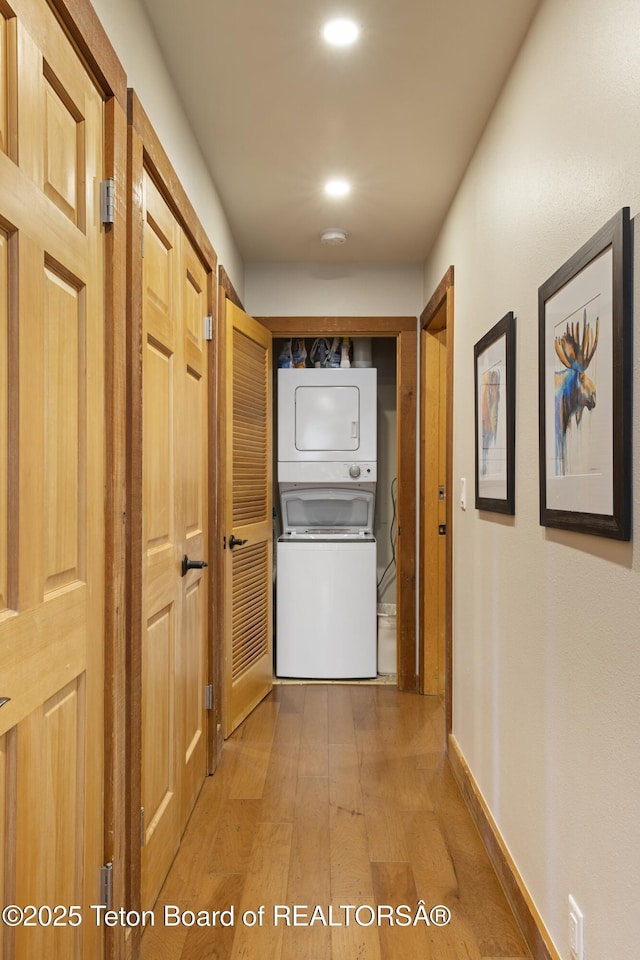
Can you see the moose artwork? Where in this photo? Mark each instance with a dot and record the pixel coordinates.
(584, 336)
(575, 391)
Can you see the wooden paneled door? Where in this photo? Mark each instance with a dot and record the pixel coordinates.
(248, 523)
(52, 480)
(175, 520)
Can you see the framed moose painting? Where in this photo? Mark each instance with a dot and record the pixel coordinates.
(495, 410)
(585, 370)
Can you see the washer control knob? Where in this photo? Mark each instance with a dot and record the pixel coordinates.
(354, 471)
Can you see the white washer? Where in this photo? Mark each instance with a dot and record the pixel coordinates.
(326, 608)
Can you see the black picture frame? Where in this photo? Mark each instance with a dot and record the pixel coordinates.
(585, 315)
(495, 417)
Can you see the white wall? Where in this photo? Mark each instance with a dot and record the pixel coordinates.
(332, 289)
(127, 25)
(546, 636)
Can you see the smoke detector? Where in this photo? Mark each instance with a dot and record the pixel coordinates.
(333, 236)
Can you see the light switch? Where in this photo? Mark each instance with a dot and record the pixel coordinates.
(463, 493)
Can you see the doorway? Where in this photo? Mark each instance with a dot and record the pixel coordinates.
(402, 330)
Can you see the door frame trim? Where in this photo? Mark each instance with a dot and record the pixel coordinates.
(404, 331)
(443, 296)
(145, 151)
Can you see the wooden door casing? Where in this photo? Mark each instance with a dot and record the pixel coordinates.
(436, 452)
(52, 543)
(403, 330)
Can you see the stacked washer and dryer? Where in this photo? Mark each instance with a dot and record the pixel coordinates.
(326, 555)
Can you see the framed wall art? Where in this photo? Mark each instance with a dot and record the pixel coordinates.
(495, 412)
(585, 371)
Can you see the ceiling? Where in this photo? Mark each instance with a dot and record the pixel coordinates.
(277, 112)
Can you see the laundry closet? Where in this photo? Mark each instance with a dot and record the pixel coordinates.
(334, 483)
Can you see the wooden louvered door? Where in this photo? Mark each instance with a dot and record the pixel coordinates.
(248, 593)
(174, 462)
(52, 477)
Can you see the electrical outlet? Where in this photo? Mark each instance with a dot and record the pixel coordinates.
(576, 930)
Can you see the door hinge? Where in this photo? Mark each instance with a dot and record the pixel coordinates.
(142, 837)
(208, 327)
(208, 697)
(106, 885)
(107, 200)
(442, 529)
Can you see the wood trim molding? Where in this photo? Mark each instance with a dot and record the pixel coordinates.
(346, 326)
(404, 330)
(229, 290)
(439, 315)
(134, 541)
(436, 300)
(116, 533)
(83, 26)
(533, 929)
(160, 167)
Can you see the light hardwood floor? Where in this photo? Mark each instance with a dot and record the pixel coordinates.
(333, 795)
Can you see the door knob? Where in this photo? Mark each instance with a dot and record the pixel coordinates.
(4, 700)
(192, 565)
(235, 542)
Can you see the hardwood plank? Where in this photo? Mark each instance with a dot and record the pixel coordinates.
(429, 855)
(314, 757)
(355, 941)
(307, 943)
(309, 870)
(341, 724)
(363, 705)
(290, 696)
(255, 736)
(199, 851)
(265, 884)
(235, 837)
(172, 940)
(350, 866)
(310, 860)
(398, 782)
(394, 885)
(385, 836)
(223, 893)
(279, 794)
(162, 943)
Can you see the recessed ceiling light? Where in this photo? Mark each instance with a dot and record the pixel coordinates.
(341, 32)
(333, 236)
(337, 188)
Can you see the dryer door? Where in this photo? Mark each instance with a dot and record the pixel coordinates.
(327, 419)
(326, 415)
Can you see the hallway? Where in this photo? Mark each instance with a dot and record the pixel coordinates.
(333, 795)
